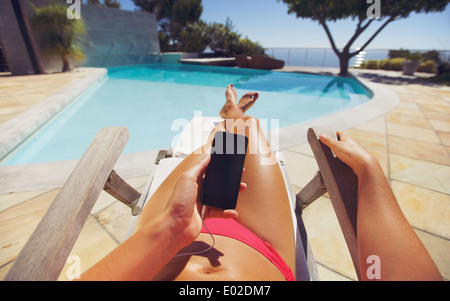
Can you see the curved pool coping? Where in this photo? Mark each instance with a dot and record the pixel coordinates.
(51, 175)
(383, 101)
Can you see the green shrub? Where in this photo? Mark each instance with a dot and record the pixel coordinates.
(394, 64)
(398, 53)
(431, 55)
(382, 64)
(427, 66)
(414, 56)
(371, 64)
(248, 47)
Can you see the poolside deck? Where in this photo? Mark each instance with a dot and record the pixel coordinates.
(412, 143)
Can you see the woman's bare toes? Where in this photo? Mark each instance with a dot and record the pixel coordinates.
(247, 100)
(230, 93)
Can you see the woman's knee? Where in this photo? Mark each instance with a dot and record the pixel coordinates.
(243, 126)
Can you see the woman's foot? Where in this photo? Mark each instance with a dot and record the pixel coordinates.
(247, 101)
(232, 109)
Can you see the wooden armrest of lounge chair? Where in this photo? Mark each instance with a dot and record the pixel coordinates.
(45, 253)
(341, 183)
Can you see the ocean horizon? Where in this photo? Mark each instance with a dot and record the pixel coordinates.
(324, 57)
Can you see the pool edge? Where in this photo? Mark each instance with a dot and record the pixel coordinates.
(383, 101)
(18, 129)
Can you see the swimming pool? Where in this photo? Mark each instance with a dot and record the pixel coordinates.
(148, 99)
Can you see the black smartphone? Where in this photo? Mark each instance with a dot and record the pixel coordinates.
(224, 172)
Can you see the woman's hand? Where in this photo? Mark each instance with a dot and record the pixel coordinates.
(183, 209)
(349, 151)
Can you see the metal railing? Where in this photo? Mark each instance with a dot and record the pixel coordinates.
(325, 57)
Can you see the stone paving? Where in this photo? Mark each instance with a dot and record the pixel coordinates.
(412, 143)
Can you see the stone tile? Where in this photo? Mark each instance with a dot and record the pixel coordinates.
(440, 125)
(438, 248)
(423, 208)
(421, 173)
(92, 245)
(427, 107)
(430, 100)
(103, 201)
(444, 137)
(411, 132)
(8, 101)
(18, 223)
(442, 92)
(326, 238)
(115, 218)
(8, 200)
(377, 125)
(408, 120)
(436, 115)
(13, 88)
(31, 99)
(325, 274)
(300, 168)
(408, 112)
(304, 149)
(408, 105)
(369, 140)
(13, 110)
(420, 150)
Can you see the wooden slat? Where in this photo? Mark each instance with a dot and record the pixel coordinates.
(46, 252)
(122, 191)
(311, 192)
(342, 186)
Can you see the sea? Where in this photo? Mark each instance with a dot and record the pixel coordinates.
(323, 57)
(318, 57)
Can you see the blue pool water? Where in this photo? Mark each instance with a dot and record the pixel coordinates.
(155, 101)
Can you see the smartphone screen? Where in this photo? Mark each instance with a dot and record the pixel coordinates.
(224, 172)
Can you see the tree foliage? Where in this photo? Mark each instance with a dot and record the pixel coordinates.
(323, 11)
(173, 18)
(106, 3)
(112, 3)
(180, 29)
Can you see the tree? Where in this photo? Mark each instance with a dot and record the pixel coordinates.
(195, 37)
(59, 32)
(224, 40)
(107, 3)
(112, 4)
(248, 47)
(323, 11)
(94, 2)
(173, 17)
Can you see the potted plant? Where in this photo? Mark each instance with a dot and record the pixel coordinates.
(59, 33)
(411, 62)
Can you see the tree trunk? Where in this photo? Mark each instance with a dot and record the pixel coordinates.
(66, 63)
(344, 59)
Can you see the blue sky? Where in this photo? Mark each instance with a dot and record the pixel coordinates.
(267, 22)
